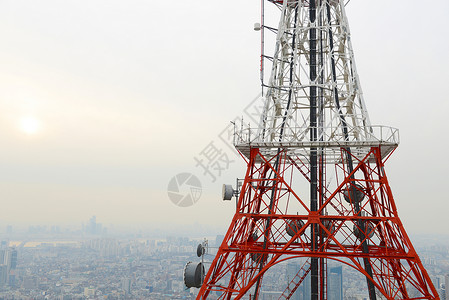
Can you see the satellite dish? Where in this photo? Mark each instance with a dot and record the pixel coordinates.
(329, 226)
(369, 231)
(200, 250)
(259, 257)
(354, 194)
(227, 192)
(193, 274)
(293, 227)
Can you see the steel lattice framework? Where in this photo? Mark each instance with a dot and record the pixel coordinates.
(315, 132)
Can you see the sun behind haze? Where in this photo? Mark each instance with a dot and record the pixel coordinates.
(30, 125)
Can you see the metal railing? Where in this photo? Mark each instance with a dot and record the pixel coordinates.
(326, 137)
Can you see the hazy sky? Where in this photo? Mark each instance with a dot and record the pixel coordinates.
(104, 101)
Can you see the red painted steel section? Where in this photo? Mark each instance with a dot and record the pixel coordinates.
(257, 237)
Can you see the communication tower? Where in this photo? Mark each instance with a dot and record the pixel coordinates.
(315, 185)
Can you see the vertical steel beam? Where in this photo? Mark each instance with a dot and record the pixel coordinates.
(313, 151)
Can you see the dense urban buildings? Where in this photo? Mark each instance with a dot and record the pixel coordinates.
(78, 265)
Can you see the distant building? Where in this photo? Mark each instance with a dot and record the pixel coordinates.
(268, 295)
(3, 275)
(106, 247)
(89, 292)
(335, 284)
(10, 258)
(8, 263)
(436, 281)
(126, 285)
(29, 282)
(446, 286)
(93, 227)
(293, 269)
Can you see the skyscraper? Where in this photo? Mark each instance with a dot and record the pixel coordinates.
(126, 285)
(292, 269)
(446, 285)
(3, 275)
(335, 284)
(8, 263)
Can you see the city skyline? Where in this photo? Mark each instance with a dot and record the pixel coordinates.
(149, 268)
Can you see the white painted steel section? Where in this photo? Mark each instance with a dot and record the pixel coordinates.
(343, 119)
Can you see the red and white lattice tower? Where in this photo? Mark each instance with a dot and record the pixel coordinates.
(315, 185)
